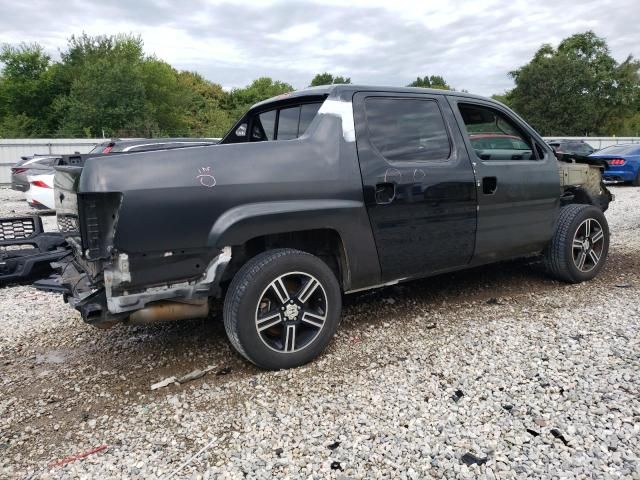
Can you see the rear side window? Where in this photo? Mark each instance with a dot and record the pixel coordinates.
(284, 123)
(407, 129)
(493, 135)
(268, 122)
(288, 123)
(307, 114)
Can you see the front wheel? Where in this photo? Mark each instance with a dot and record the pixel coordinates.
(580, 244)
(282, 308)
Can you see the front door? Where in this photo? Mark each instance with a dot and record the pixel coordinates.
(418, 182)
(518, 183)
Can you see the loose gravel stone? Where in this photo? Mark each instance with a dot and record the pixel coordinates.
(526, 352)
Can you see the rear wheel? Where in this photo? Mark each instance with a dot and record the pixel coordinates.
(282, 308)
(636, 181)
(580, 244)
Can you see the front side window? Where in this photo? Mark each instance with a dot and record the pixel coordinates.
(493, 135)
(407, 129)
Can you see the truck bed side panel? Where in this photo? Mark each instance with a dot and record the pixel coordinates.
(171, 200)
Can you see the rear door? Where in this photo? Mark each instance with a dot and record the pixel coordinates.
(518, 181)
(418, 182)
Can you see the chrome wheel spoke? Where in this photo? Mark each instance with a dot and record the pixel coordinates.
(594, 256)
(587, 228)
(310, 287)
(582, 256)
(280, 290)
(268, 321)
(577, 243)
(599, 235)
(289, 338)
(313, 319)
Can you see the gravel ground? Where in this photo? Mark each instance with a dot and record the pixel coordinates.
(499, 367)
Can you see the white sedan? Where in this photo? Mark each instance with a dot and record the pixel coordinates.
(40, 193)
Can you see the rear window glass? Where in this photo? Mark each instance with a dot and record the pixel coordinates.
(621, 150)
(47, 162)
(582, 148)
(407, 129)
(99, 148)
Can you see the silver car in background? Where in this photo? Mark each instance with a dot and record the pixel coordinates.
(29, 166)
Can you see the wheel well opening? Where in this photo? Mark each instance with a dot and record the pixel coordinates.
(326, 244)
(576, 195)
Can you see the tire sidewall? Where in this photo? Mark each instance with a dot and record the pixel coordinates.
(253, 346)
(594, 213)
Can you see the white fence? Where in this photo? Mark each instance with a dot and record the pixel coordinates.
(12, 149)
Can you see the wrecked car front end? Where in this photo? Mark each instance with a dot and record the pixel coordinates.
(581, 180)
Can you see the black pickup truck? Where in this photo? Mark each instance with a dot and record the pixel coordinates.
(313, 194)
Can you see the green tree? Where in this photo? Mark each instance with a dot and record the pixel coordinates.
(503, 98)
(577, 88)
(205, 115)
(240, 99)
(107, 91)
(433, 81)
(165, 99)
(25, 89)
(328, 79)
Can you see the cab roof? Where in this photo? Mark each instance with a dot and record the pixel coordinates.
(346, 91)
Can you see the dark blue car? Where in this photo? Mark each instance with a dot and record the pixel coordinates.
(623, 161)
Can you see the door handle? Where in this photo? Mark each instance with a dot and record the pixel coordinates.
(489, 185)
(385, 193)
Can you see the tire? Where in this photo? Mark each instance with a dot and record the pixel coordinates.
(282, 308)
(580, 230)
(636, 181)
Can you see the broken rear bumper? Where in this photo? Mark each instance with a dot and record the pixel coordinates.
(102, 297)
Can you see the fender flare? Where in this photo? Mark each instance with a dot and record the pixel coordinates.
(348, 218)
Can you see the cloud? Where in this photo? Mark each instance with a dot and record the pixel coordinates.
(473, 45)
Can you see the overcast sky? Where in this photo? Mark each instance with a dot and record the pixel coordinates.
(472, 44)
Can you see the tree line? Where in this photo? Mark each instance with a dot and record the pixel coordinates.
(107, 86)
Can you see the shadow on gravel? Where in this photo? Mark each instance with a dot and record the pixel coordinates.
(150, 353)
(79, 373)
